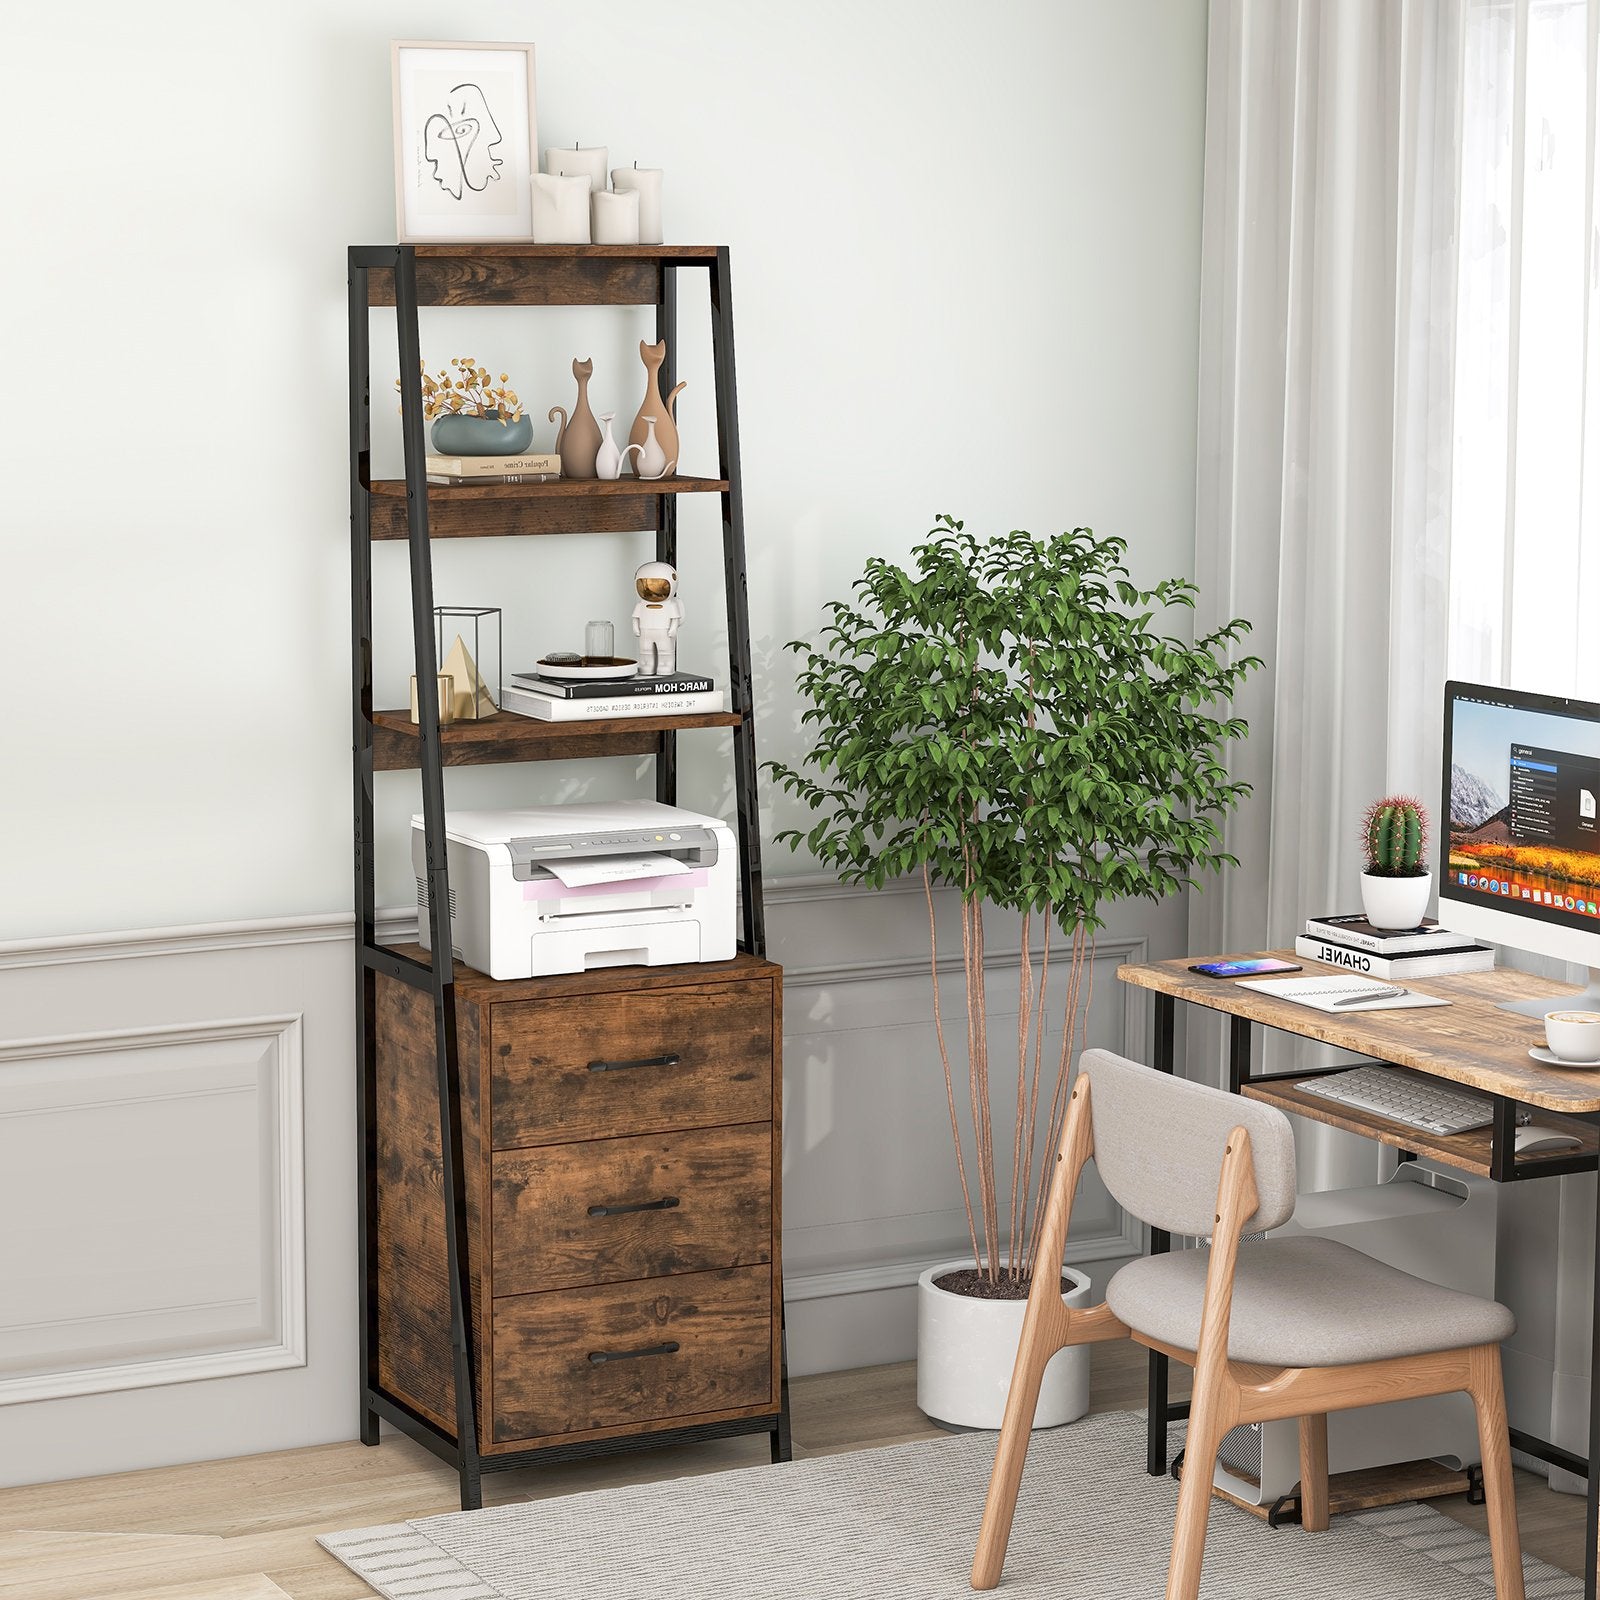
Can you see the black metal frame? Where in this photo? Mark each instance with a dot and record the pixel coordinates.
(437, 978)
(1503, 1168)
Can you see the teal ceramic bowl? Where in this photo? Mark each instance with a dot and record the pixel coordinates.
(482, 436)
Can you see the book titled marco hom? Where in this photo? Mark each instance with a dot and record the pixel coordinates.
(614, 688)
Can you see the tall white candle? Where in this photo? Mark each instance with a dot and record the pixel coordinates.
(560, 209)
(646, 183)
(614, 218)
(576, 163)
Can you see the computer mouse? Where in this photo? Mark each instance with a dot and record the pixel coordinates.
(1534, 1138)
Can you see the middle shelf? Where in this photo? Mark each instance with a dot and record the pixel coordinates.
(566, 505)
(505, 737)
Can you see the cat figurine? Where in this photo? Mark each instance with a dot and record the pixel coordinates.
(578, 441)
(653, 406)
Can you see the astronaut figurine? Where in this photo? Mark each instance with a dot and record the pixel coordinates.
(656, 618)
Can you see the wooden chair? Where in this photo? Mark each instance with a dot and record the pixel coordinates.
(1293, 1327)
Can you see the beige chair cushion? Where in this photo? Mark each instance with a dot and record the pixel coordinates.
(1305, 1303)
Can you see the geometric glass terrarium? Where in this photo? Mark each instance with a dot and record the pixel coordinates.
(467, 639)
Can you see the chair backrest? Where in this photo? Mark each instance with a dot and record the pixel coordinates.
(1159, 1143)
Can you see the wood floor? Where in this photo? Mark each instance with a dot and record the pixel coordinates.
(245, 1529)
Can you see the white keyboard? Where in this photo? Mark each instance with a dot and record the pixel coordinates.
(1408, 1097)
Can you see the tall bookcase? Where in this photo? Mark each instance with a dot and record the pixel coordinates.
(569, 1187)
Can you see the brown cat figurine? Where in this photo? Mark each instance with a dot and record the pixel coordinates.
(578, 441)
(653, 406)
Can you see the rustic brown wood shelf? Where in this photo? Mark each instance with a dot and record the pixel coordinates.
(498, 510)
(536, 274)
(570, 1225)
(505, 737)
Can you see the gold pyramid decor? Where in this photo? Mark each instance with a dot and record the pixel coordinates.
(469, 695)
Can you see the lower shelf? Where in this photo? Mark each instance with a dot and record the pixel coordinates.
(1375, 1486)
(504, 737)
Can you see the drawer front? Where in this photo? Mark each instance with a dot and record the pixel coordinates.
(613, 1209)
(621, 1355)
(598, 1066)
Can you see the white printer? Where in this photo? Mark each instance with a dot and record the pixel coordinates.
(556, 889)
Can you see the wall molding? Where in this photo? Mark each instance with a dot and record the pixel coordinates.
(287, 1096)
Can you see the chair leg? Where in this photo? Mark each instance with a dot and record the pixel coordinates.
(1039, 1343)
(1044, 1331)
(1499, 1492)
(1314, 1472)
(1194, 1493)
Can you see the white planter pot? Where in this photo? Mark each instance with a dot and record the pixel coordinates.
(966, 1349)
(1396, 902)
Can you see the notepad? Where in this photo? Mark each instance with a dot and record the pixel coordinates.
(1324, 994)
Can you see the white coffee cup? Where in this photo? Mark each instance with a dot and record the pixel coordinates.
(1573, 1035)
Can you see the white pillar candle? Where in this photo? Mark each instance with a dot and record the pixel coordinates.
(646, 183)
(560, 209)
(576, 163)
(614, 218)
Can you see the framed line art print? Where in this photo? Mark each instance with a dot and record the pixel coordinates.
(465, 141)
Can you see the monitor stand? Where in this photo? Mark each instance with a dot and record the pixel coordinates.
(1587, 999)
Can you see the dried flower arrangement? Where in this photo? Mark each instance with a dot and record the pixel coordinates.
(466, 392)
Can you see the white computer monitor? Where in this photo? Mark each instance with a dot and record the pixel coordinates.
(1519, 827)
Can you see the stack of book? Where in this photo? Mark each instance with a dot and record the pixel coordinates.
(1427, 951)
(493, 469)
(580, 700)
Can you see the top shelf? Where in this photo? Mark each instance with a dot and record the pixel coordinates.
(518, 274)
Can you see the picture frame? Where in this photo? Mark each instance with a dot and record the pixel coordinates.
(466, 140)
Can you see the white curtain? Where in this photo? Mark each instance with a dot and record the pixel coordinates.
(1323, 231)
(1399, 451)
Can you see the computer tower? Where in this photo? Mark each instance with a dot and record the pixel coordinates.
(1429, 1221)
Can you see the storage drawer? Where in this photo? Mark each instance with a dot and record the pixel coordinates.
(620, 1355)
(601, 1065)
(612, 1209)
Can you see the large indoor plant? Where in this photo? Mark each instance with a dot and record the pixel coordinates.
(1006, 719)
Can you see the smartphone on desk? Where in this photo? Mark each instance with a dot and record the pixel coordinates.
(1257, 968)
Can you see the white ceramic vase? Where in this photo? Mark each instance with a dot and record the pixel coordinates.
(610, 460)
(652, 462)
(1396, 902)
(966, 1349)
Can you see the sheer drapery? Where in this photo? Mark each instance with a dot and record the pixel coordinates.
(1323, 234)
(1525, 476)
(1399, 448)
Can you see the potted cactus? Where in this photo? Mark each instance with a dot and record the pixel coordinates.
(1396, 884)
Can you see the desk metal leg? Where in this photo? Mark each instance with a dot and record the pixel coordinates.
(1591, 1542)
(1238, 1053)
(1160, 1243)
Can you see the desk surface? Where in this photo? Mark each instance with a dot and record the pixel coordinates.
(1470, 1041)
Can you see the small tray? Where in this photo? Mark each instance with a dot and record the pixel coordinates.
(599, 671)
(1551, 1059)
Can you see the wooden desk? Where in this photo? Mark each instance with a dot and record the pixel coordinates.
(1471, 1042)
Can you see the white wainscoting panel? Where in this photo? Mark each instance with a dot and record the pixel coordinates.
(154, 1184)
(871, 1191)
(163, 1295)
(177, 1175)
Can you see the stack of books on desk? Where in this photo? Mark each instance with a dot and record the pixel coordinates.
(1428, 951)
(581, 700)
(456, 470)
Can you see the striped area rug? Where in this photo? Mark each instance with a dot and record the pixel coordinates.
(900, 1524)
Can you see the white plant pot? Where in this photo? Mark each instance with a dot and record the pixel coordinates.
(966, 1349)
(1396, 902)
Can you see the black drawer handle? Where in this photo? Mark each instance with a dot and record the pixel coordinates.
(665, 1204)
(600, 1357)
(627, 1066)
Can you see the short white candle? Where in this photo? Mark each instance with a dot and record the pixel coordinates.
(646, 183)
(576, 163)
(614, 218)
(560, 209)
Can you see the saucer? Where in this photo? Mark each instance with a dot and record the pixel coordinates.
(1551, 1059)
